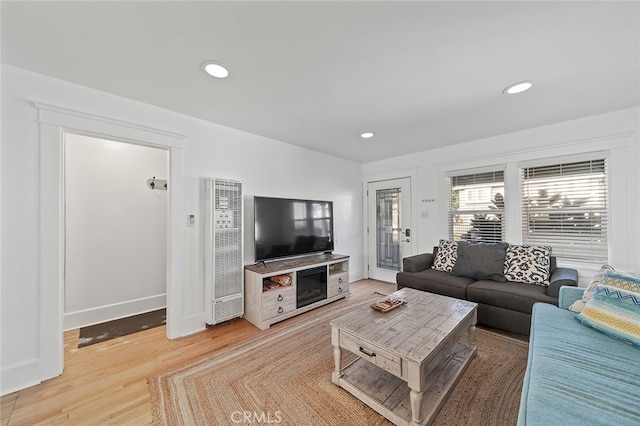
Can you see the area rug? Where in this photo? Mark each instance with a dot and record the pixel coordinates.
(283, 376)
(121, 327)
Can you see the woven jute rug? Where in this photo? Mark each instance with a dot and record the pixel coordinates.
(283, 376)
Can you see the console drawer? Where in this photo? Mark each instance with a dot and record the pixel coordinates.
(273, 310)
(338, 284)
(272, 297)
(278, 302)
(372, 353)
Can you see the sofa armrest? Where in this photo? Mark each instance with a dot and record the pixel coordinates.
(417, 263)
(568, 295)
(561, 277)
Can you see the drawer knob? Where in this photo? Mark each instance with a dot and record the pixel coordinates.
(339, 289)
(340, 280)
(280, 298)
(367, 352)
(280, 310)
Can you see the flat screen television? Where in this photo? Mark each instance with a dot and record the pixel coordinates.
(286, 227)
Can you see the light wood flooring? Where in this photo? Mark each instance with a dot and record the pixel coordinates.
(106, 383)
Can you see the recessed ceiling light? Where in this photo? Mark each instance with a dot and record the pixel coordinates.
(215, 69)
(517, 88)
(366, 135)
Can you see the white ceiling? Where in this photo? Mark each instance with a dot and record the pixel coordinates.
(420, 75)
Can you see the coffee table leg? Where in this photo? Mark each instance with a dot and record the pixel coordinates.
(472, 330)
(416, 405)
(472, 336)
(337, 360)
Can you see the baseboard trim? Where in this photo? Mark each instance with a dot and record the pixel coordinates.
(73, 320)
(19, 376)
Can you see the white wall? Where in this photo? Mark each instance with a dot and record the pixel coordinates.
(265, 166)
(615, 132)
(116, 230)
(271, 168)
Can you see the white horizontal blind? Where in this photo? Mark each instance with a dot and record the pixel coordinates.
(565, 206)
(476, 206)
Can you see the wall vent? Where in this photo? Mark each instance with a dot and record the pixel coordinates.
(224, 268)
(224, 310)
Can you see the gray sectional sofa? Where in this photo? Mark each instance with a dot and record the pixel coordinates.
(501, 304)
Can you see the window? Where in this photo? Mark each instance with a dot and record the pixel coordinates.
(476, 206)
(565, 206)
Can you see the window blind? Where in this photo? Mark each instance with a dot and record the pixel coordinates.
(565, 206)
(476, 206)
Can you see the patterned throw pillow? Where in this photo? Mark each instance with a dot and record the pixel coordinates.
(615, 310)
(446, 256)
(588, 292)
(629, 282)
(527, 264)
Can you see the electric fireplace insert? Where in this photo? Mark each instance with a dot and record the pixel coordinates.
(311, 286)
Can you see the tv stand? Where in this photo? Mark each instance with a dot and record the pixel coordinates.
(271, 290)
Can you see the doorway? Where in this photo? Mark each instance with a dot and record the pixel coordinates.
(389, 229)
(115, 230)
(54, 122)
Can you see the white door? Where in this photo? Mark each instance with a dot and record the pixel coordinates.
(389, 227)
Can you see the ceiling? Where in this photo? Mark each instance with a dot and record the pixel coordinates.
(420, 75)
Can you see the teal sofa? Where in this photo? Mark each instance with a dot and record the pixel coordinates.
(577, 375)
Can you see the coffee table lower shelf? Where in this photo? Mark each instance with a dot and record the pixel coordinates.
(389, 395)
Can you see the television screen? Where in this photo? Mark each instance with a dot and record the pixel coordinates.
(285, 227)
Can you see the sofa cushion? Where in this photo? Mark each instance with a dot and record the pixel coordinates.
(579, 304)
(446, 256)
(480, 261)
(515, 296)
(527, 264)
(577, 375)
(435, 282)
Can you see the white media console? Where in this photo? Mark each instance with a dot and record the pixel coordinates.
(282, 289)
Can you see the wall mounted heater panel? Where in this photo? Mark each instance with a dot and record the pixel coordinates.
(223, 263)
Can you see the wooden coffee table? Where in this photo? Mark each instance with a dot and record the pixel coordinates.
(410, 358)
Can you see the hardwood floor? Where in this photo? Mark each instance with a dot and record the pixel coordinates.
(106, 383)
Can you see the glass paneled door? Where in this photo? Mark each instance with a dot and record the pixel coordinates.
(389, 229)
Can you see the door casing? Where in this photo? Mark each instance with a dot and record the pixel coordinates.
(54, 122)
